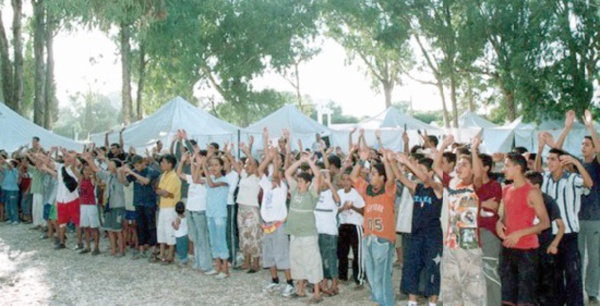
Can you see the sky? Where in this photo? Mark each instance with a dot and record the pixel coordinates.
(89, 59)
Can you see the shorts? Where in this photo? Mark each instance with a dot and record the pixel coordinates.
(305, 259)
(50, 213)
(276, 249)
(113, 219)
(165, 233)
(130, 215)
(89, 216)
(68, 212)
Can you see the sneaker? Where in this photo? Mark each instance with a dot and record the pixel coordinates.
(211, 272)
(272, 287)
(594, 301)
(79, 246)
(59, 246)
(221, 276)
(288, 290)
(95, 252)
(84, 251)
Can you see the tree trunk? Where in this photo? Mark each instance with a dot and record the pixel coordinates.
(7, 68)
(453, 99)
(142, 76)
(297, 84)
(124, 39)
(388, 88)
(50, 102)
(440, 87)
(470, 94)
(17, 6)
(38, 49)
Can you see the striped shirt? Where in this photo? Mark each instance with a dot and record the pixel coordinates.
(567, 192)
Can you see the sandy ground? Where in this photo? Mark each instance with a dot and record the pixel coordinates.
(33, 273)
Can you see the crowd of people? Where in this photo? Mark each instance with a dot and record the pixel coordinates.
(457, 229)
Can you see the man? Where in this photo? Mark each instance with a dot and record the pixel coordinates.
(566, 189)
(37, 189)
(589, 215)
(169, 192)
(144, 199)
(523, 204)
(67, 198)
(116, 149)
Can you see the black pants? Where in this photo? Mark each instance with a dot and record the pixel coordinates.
(146, 225)
(549, 277)
(519, 275)
(232, 233)
(350, 236)
(422, 259)
(569, 264)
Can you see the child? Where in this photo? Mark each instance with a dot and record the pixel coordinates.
(89, 220)
(181, 234)
(326, 216)
(10, 189)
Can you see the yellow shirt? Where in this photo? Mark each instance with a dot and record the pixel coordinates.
(170, 182)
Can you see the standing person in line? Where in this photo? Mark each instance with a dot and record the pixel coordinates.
(231, 229)
(67, 198)
(10, 189)
(89, 219)
(169, 192)
(379, 224)
(144, 180)
(566, 188)
(351, 231)
(273, 211)
(589, 215)
(463, 281)
(196, 210)
(523, 204)
(216, 213)
(181, 234)
(305, 257)
(424, 245)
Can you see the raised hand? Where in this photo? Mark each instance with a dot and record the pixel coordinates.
(570, 118)
(402, 158)
(405, 138)
(476, 142)
(448, 140)
(364, 154)
(587, 119)
(378, 133)
(286, 133)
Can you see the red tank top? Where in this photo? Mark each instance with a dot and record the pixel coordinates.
(519, 215)
(86, 192)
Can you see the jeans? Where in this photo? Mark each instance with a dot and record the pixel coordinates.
(491, 247)
(217, 232)
(589, 238)
(328, 249)
(26, 199)
(12, 204)
(379, 257)
(146, 225)
(423, 252)
(232, 232)
(181, 247)
(198, 229)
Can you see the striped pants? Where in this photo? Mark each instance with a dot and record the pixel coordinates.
(350, 236)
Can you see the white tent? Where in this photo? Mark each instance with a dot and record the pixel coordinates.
(16, 131)
(391, 123)
(164, 123)
(555, 127)
(504, 138)
(287, 117)
(472, 120)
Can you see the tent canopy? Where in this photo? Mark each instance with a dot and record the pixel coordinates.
(164, 123)
(470, 119)
(16, 131)
(393, 118)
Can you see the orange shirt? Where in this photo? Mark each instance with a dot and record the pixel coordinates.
(379, 217)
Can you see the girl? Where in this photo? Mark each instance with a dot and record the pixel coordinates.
(248, 218)
(89, 220)
(216, 213)
(305, 258)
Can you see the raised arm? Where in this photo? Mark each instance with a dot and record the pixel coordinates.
(327, 180)
(324, 154)
(288, 148)
(121, 142)
(569, 121)
(589, 124)
(184, 158)
(400, 176)
(265, 137)
(477, 164)
(437, 162)
(570, 160)
(316, 182)
(405, 142)
(379, 142)
(350, 135)
(269, 156)
(106, 143)
(289, 173)
(389, 174)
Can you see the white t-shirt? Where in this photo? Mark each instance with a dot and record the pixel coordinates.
(249, 189)
(183, 229)
(273, 206)
(63, 195)
(196, 200)
(350, 216)
(232, 178)
(326, 214)
(128, 192)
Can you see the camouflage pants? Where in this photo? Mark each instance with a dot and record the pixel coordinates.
(463, 281)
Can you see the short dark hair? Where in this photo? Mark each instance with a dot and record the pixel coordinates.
(532, 156)
(334, 160)
(590, 139)
(380, 170)
(487, 161)
(305, 176)
(520, 150)
(118, 162)
(534, 177)
(214, 145)
(116, 145)
(169, 158)
(558, 152)
(434, 140)
(36, 138)
(415, 149)
(427, 162)
(451, 157)
(180, 207)
(193, 142)
(519, 160)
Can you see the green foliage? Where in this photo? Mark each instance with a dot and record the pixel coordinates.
(263, 104)
(88, 113)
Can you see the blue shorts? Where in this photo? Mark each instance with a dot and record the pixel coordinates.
(130, 215)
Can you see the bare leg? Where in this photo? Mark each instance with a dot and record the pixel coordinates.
(121, 242)
(96, 235)
(162, 251)
(255, 262)
(87, 237)
(79, 235)
(113, 243)
(171, 252)
(61, 233)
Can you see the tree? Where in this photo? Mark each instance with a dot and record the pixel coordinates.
(12, 70)
(87, 113)
(39, 36)
(364, 29)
